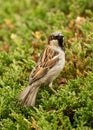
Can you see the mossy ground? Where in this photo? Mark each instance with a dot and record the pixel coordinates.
(24, 28)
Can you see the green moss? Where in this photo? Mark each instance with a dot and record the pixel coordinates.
(19, 45)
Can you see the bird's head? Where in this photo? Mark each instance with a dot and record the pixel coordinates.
(57, 39)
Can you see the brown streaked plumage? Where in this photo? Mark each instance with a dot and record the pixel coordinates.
(45, 63)
(49, 65)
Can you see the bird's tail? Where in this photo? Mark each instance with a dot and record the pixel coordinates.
(28, 96)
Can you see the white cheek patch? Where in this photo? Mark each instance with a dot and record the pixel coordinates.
(54, 42)
(63, 38)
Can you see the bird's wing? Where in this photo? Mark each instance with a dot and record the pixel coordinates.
(47, 60)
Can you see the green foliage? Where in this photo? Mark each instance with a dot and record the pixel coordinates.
(24, 28)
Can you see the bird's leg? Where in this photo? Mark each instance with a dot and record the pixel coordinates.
(53, 90)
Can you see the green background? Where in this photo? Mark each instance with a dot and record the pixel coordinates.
(24, 28)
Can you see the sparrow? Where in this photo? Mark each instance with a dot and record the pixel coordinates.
(47, 68)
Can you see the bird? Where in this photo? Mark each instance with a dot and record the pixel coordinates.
(47, 68)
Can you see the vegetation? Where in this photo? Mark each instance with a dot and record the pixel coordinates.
(24, 28)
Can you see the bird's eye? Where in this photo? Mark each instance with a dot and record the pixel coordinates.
(52, 37)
